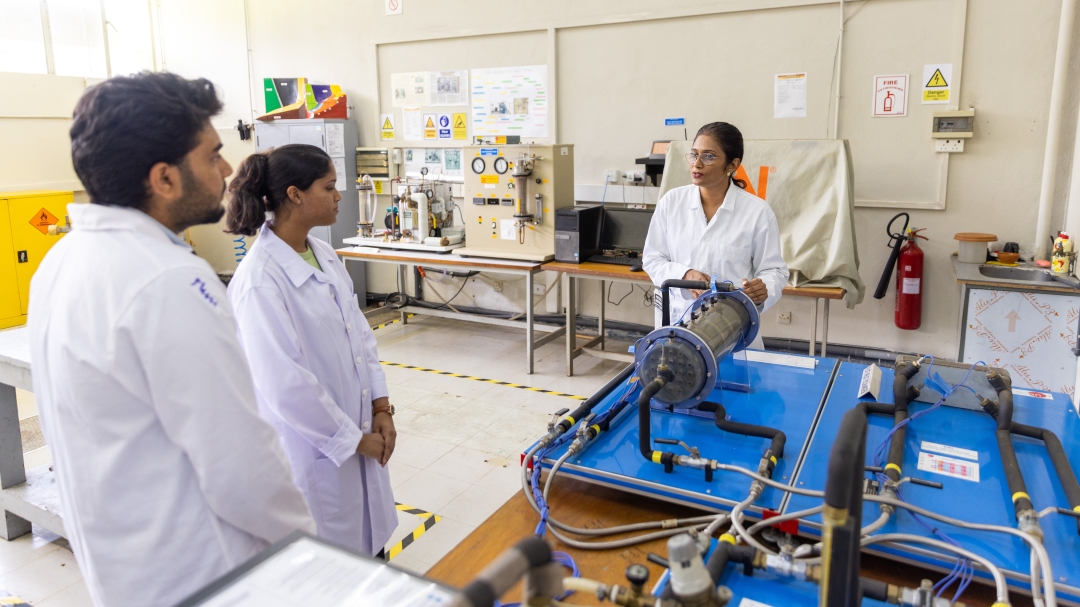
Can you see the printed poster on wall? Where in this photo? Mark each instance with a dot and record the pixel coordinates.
(449, 88)
(410, 88)
(789, 96)
(412, 124)
(510, 101)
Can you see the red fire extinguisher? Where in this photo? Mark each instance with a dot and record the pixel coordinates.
(909, 275)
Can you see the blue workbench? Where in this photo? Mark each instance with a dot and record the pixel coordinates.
(986, 501)
(784, 397)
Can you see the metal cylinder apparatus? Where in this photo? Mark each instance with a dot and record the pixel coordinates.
(719, 323)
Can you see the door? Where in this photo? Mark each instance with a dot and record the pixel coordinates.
(30, 218)
(10, 306)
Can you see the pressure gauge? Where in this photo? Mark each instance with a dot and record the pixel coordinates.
(423, 170)
(478, 165)
(501, 165)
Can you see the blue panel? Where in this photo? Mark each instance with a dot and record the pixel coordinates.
(787, 398)
(987, 501)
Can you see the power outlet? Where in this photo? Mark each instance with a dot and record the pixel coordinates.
(497, 286)
(949, 145)
(783, 318)
(611, 176)
(539, 289)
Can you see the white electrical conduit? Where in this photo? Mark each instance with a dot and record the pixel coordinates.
(1053, 127)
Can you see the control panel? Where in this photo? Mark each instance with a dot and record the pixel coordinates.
(511, 193)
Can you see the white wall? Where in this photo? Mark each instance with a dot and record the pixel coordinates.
(619, 66)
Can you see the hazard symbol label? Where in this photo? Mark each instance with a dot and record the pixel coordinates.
(42, 220)
(387, 125)
(937, 80)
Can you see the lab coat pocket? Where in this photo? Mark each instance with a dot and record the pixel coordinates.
(336, 500)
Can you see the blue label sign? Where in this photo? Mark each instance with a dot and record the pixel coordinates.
(489, 151)
(444, 133)
(674, 121)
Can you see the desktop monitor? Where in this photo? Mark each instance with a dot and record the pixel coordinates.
(625, 229)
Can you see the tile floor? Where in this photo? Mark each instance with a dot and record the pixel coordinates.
(457, 454)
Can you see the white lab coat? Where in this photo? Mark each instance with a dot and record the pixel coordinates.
(167, 476)
(741, 240)
(316, 369)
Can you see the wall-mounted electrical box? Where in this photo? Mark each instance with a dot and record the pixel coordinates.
(950, 129)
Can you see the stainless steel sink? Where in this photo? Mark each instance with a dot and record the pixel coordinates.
(1025, 275)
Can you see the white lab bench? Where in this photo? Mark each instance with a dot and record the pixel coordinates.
(26, 496)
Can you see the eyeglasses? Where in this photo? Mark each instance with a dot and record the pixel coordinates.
(706, 158)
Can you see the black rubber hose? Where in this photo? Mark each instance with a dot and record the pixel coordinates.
(779, 439)
(874, 589)
(897, 241)
(718, 560)
(843, 490)
(843, 485)
(675, 283)
(587, 405)
(645, 417)
(904, 372)
(1057, 456)
(1003, 434)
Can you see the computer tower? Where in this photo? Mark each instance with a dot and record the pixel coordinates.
(577, 233)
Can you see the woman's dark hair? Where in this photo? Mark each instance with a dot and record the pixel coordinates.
(730, 140)
(263, 180)
(125, 125)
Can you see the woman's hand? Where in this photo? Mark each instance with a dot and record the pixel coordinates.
(373, 446)
(383, 425)
(695, 275)
(755, 290)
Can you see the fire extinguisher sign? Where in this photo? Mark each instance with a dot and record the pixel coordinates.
(890, 96)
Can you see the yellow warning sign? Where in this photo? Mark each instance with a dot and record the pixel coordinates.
(387, 126)
(430, 124)
(387, 134)
(42, 220)
(935, 95)
(460, 130)
(489, 179)
(937, 80)
(378, 187)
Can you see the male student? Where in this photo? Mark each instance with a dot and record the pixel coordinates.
(168, 477)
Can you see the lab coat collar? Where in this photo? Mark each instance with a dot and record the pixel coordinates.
(295, 267)
(729, 199)
(100, 217)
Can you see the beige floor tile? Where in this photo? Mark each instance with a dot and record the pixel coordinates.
(506, 395)
(406, 523)
(465, 465)
(420, 452)
(438, 541)
(26, 403)
(454, 427)
(399, 472)
(404, 395)
(504, 480)
(396, 376)
(429, 491)
(23, 550)
(475, 505)
(458, 386)
(402, 561)
(42, 577)
(437, 402)
(75, 595)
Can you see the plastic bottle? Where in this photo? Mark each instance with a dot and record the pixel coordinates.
(1059, 261)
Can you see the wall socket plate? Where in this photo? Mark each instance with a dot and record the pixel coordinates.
(783, 318)
(539, 289)
(949, 145)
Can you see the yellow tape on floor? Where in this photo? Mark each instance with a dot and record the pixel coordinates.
(390, 322)
(429, 521)
(490, 381)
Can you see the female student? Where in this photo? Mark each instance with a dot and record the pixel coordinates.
(715, 229)
(312, 353)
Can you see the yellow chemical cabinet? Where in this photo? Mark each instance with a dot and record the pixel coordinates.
(25, 218)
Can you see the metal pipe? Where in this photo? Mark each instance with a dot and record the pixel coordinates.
(1053, 127)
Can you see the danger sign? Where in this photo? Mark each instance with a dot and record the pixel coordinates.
(42, 220)
(890, 95)
(937, 83)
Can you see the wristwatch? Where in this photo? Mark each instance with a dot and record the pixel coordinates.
(384, 409)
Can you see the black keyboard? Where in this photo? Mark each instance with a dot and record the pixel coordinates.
(621, 260)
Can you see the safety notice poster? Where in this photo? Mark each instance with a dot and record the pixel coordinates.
(449, 88)
(410, 88)
(789, 96)
(510, 101)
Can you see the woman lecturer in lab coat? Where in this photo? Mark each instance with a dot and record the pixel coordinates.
(715, 229)
(312, 353)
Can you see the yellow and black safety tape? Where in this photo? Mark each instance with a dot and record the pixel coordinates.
(429, 519)
(12, 600)
(390, 322)
(484, 379)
